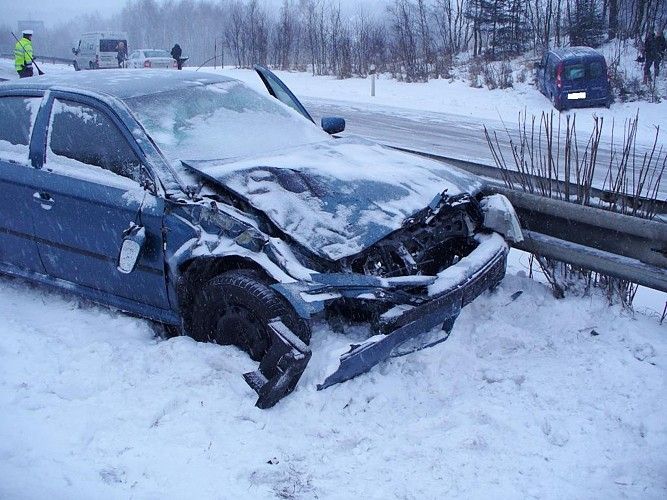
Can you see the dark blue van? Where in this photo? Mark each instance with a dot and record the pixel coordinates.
(574, 77)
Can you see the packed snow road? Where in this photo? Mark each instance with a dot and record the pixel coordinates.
(463, 137)
(530, 397)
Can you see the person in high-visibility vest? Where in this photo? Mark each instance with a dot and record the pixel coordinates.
(23, 55)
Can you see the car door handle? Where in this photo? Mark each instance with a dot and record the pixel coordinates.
(44, 200)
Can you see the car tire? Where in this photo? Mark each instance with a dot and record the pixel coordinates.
(235, 308)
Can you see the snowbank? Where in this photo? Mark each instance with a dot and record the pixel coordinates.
(528, 397)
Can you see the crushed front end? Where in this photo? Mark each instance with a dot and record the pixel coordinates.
(414, 280)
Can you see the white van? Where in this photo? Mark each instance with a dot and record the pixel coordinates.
(99, 49)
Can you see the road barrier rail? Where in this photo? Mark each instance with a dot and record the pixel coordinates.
(607, 242)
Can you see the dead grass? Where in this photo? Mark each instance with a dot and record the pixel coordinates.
(553, 160)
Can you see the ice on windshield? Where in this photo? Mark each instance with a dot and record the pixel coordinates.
(222, 120)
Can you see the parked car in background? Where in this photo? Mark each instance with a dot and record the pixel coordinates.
(194, 201)
(574, 77)
(150, 58)
(98, 50)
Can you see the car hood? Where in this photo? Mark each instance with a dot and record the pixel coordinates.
(337, 197)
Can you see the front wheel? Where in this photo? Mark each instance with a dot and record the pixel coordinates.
(235, 308)
(76, 66)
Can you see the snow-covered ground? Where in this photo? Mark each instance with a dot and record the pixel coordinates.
(531, 397)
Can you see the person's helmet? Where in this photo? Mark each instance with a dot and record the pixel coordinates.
(27, 32)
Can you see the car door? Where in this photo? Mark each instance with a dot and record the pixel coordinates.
(91, 193)
(280, 91)
(597, 82)
(18, 249)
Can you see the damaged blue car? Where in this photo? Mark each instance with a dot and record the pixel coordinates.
(226, 214)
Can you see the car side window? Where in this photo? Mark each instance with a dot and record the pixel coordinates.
(88, 136)
(17, 118)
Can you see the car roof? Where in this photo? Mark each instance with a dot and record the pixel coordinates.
(576, 53)
(119, 83)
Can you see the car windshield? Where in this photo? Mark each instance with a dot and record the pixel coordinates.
(221, 120)
(156, 53)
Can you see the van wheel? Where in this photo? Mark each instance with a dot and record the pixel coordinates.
(235, 308)
(76, 66)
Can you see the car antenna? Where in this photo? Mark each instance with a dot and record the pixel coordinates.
(32, 60)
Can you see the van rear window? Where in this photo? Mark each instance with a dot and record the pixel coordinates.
(575, 72)
(595, 70)
(109, 45)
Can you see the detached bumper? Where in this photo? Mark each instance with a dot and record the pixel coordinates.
(454, 288)
(447, 293)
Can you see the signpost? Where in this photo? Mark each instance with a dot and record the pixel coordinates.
(371, 70)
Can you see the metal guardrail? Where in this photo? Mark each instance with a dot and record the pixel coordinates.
(42, 58)
(610, 243)
(614, 244)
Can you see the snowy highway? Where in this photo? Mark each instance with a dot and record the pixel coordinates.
(450, 135)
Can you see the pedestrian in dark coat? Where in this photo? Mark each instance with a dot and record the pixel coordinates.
(650, 55)
(176, 53)
(661, 47)
(121, 54)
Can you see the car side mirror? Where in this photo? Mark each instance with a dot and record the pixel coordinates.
(333, 124)
(134, 238)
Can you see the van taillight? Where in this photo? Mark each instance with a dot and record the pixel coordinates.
(147, 64)
(559, 75)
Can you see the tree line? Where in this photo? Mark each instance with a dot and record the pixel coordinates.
(414, 40)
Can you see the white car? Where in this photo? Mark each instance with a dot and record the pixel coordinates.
(151, 58)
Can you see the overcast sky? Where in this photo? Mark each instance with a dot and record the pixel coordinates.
(56, 11)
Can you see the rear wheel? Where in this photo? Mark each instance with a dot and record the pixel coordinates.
(235, 308)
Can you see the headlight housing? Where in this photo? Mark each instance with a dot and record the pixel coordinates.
(499, 216)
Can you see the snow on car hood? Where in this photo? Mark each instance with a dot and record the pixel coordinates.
(337, 197)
